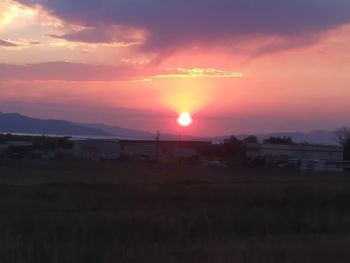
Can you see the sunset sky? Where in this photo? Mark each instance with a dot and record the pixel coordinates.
(237, 66)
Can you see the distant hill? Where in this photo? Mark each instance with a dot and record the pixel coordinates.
(125, 133)
(16, 123)
(121, 132)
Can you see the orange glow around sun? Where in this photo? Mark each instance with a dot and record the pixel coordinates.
(184, 119)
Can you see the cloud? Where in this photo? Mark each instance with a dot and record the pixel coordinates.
(7, 44)
(198, 73)
(176, 24)
(66, 71)
(115, 35)
(70, 72)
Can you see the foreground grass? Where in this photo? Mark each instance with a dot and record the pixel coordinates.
(215, 216)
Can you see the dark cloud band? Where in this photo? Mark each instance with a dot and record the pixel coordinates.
(177, 23)
(7, 44)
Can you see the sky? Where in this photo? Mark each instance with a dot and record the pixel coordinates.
(237, 66)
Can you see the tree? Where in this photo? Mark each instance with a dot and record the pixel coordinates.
(233, 150)
(44, 143)
(250, 139)
(65, 143)
(279, 140)
(342, 136)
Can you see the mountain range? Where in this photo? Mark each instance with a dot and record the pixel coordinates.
(17, 123)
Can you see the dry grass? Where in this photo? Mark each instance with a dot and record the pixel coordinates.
(105, 212)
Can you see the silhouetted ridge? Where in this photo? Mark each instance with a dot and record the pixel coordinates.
(17, 123)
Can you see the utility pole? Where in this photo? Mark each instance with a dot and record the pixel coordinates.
(157, 144)
(158, 136)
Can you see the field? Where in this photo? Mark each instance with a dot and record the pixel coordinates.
(112, 212)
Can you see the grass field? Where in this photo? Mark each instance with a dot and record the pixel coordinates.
(110, 212)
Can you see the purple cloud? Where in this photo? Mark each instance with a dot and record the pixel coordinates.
(7, 44)
(102, 34)
(178, 23)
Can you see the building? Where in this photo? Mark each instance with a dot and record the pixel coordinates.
(3, 150)
(253, 150)
(94, 149)
(164, 149)
(18, 149)
(302, 152)
(304, 156)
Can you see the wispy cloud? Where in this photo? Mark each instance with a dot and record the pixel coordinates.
(87, 72)
(198, 73)
(69, 72)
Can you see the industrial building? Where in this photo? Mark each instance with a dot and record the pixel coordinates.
(166, 149)
(95, 149)
(304, 156)
(302, 152)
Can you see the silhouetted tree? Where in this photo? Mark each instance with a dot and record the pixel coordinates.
(285, 140)
(347, 150)
(44, 143)
(250, 139)
(232, 150)
(65, 143)
(342, 136)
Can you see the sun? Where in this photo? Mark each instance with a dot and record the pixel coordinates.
(184, 119)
